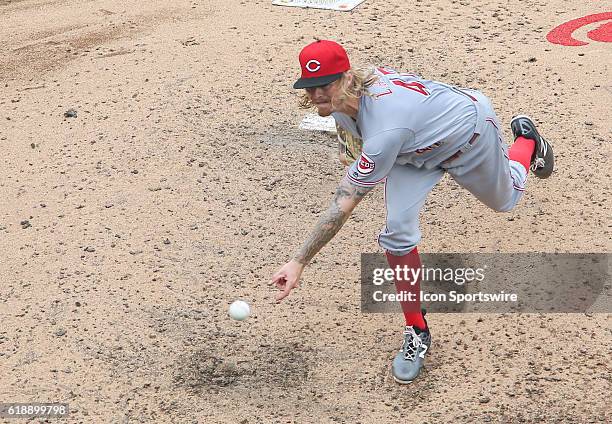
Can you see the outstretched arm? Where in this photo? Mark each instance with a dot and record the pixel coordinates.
(345, 199)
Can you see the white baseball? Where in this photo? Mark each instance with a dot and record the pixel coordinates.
(239, 310)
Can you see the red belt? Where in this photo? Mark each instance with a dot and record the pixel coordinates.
(460, 152)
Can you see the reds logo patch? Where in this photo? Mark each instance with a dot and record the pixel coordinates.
(365, 165)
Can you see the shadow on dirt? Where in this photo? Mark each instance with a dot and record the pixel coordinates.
(269, 365)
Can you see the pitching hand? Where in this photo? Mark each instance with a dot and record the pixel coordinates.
(287, 278)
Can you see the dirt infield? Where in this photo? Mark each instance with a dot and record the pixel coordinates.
(183, 183)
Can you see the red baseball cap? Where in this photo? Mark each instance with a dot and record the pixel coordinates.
(322, 62)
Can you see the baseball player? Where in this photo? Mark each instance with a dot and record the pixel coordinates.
(407, 132)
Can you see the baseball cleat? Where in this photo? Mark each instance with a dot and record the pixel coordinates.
(409, 360)
(543, 160)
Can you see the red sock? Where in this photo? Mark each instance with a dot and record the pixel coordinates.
(412, 310)
(522, 151)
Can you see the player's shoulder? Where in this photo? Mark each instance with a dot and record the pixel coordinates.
(390, 73)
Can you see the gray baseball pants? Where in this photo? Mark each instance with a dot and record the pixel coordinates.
(483, 168)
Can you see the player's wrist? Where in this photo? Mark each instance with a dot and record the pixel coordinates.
(301, 262)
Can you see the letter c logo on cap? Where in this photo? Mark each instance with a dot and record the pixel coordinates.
(313, 65)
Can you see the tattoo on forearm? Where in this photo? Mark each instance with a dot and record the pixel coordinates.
(332, 220)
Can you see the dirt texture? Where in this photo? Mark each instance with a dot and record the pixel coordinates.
(152, 172)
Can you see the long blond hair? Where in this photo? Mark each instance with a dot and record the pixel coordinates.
(354, 87)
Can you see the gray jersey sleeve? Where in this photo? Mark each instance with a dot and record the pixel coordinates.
(377, 157)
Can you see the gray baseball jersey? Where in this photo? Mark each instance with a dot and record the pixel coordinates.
(412, 130)
(408, 120)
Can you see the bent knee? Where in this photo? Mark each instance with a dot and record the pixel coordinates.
(399, 240)
(502, 203)
(503, 207)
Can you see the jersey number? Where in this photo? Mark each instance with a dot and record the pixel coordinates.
(414, 86)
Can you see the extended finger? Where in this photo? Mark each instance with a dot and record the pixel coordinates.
(280, 296)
